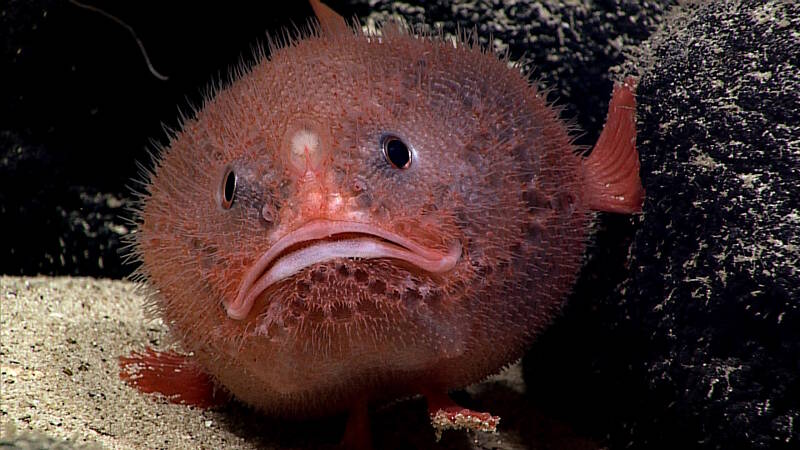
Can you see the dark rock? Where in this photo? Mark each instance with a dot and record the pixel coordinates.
(700, 346)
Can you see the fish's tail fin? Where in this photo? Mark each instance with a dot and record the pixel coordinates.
(612, 181)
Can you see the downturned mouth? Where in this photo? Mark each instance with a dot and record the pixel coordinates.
(323, 240)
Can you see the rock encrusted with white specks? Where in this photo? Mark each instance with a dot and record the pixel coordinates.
(717, 261)
(701, 346)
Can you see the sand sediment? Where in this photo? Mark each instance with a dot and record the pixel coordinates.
(59, 343)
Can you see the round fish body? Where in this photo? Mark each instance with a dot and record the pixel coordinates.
(359, 218)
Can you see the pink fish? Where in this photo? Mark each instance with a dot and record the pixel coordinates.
(359, 218)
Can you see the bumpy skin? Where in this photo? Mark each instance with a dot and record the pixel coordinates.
(493, 168)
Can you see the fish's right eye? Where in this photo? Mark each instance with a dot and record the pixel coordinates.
(228, 188)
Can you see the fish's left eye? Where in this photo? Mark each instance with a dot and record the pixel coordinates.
(396, 151)
(227, 188)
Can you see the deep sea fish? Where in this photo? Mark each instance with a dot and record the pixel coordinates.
(362, 217)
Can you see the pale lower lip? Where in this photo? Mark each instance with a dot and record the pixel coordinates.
(376, 243)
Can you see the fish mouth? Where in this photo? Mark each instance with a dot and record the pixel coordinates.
(323, 240)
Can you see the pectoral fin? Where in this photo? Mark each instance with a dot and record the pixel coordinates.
(611, 171)
(177, 377)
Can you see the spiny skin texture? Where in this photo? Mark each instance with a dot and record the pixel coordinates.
(493, 169)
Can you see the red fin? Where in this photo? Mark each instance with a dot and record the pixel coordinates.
(448, 415)
(612, 169)
(175, 376)
(329, 20)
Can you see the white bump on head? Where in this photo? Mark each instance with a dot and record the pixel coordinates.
(306, 148)
(305, 140)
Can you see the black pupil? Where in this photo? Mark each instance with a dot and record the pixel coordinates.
(397, 152)
(230, 186)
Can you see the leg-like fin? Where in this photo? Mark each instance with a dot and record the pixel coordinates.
(175, 376)
(612, 169)
(447, 414)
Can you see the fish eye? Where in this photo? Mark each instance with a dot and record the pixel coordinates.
(228, 188)
(396, 151)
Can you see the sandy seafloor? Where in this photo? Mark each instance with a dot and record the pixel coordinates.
(59, 343)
